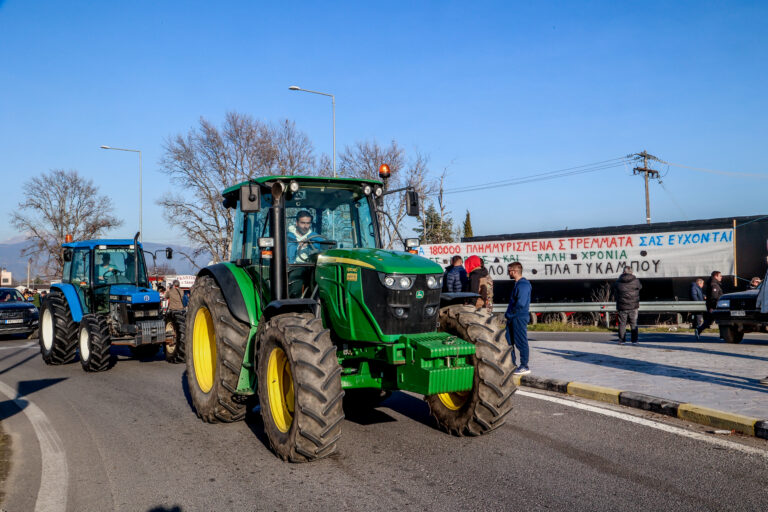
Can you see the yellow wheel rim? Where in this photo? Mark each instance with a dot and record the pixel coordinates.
(280, 389)
(454, 401)
(204, 349)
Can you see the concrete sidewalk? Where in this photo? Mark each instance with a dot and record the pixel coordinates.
(708, 372)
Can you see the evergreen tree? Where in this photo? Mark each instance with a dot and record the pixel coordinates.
(467, 226)
(433, 230)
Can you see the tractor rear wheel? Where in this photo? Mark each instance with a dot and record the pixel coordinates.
(94, 343)
(215, 351)
(175, 326)
(58, 333)
(486, 405)
(299, 380)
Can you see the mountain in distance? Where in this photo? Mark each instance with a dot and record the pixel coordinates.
(12, 260)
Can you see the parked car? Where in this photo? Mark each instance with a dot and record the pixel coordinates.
(17, 316)
(737, 314)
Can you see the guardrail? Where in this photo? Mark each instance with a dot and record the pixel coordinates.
(672, 306)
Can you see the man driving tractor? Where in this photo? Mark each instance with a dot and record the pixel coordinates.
(300, 238)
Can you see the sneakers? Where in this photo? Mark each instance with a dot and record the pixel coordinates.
(521, 370)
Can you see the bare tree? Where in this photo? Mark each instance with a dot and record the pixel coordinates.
(207, 160)
(57, 204)
(363, 159)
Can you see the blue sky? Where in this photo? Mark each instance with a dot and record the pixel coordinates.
(489, 90)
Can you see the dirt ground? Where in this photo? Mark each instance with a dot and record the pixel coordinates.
(5, 460)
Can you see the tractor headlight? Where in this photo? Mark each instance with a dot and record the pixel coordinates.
(435, 282)
(723, 304)
(395, 282)
(378, 191)
(138, 313)
(430, 310)
(367, 190)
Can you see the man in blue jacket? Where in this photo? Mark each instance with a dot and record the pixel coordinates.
(697, 293)
(455, 276)
(517, 316)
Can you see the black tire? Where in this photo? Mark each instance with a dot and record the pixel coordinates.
(94, 342)
(299, 350)
(175, 327)
(147, 351)
(58, 333)
(486, 406)
(731, 334)
(213, 387)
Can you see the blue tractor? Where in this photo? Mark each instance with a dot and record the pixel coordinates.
(104, 299)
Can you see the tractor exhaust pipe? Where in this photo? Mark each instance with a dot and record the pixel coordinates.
(277, 270)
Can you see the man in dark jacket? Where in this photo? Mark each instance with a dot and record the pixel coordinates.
(627, 290)
(713, 291)
(697, 294)
(455, 276)
(517, 316)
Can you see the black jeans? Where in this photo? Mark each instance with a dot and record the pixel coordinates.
(630, 315)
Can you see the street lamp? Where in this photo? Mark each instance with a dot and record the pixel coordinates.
(333, 107)
(141, 230)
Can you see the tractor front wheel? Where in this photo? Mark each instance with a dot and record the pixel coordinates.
(486, 405)
(215, 350)
(299, 380)
(175, 327)
(58, 333)
(94, 343)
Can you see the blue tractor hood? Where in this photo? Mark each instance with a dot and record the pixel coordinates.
(139, 295)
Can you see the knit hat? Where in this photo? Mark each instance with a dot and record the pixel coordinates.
(472, 263)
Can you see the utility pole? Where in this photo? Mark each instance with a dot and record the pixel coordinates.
(648, 173)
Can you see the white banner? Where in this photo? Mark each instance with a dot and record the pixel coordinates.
(669, 254)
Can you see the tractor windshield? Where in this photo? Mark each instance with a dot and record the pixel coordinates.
(318, 218)
(117, 265)
(321, 218)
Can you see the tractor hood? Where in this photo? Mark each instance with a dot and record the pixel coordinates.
(391, 262)
(137, 295)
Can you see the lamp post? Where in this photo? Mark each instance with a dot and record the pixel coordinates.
(141, 230)
(333, 107)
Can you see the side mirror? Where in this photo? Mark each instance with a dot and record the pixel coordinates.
(412, 203)
(250, 198)
(67, 254)
(168, 253)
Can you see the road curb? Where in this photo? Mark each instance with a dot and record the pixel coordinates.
(689, 412)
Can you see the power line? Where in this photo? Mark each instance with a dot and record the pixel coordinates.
(714, 171)
(647, 173)
(547, 175)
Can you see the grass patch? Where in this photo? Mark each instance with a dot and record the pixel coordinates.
(570, 327)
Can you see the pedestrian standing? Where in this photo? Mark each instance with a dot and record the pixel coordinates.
(480, 282)
(175, 297)
(627, 290)
(456, 276)
(697, 294)
(713, 291)
(517, 317)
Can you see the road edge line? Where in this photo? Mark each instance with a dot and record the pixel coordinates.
(54, 473)
(755, 427)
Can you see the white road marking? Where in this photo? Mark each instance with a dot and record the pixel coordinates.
(54, 476)
(648, 423)
(29, 344)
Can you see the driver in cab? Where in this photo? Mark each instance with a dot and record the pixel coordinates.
(300, 238)
(105, 268)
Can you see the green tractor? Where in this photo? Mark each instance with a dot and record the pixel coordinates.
(311, 317)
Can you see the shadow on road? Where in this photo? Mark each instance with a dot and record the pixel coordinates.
(660, 369)
(161, 508)
(25, 388)
(672, 346)
(410, 407)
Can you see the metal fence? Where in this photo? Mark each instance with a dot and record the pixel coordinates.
(672, 307)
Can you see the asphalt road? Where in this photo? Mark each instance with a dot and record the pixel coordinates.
(132, 442)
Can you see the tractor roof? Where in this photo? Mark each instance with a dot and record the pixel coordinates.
(90, 244)
(318, 179)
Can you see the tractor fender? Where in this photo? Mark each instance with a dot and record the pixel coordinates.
(278, 307)
(75, 308)
(448, 299)
(230, 288)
